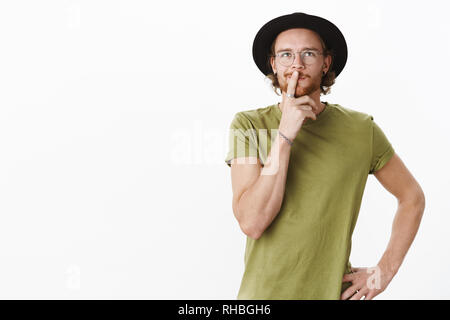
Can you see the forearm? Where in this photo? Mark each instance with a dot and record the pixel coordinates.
(260, 203)
(404, 229)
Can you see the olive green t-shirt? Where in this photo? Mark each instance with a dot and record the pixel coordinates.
(304, 252)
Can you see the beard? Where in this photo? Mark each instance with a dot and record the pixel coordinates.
(304, 87)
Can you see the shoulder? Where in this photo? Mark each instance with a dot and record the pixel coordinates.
(255, 114)
(351, 113)
(254, 117)
(353, 117)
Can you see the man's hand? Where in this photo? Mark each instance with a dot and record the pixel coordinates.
(295, 110)
(366, 282)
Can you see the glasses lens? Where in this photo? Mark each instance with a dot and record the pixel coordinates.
(286, 58)
(309, 57)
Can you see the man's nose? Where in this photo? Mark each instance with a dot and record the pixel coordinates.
(297, 61)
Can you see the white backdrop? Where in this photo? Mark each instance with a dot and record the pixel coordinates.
(114, 118)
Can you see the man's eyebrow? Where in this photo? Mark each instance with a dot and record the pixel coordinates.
(289, 49)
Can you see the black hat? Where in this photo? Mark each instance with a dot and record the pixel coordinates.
(329, 33)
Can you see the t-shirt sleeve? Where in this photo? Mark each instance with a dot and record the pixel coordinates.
(242, 139)
(382, 149)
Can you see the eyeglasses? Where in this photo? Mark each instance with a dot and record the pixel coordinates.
(308, 57)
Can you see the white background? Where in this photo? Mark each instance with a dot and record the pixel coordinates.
(114, 118)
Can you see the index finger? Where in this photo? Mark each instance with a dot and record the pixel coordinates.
(292, 84)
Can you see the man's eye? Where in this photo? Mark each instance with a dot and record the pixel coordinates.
(310, 53)
(285, 54)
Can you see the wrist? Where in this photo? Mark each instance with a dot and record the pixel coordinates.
(284, 138)
(389, 269)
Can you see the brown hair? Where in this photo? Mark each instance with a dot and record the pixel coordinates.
(327, 80)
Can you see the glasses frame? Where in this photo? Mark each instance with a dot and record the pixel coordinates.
(277, 55)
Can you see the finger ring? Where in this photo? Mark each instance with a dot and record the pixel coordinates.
(289, 95)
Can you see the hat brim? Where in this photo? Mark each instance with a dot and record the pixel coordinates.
(330, 34)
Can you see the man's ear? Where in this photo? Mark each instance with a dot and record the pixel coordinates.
(327, 63)
(274, 70)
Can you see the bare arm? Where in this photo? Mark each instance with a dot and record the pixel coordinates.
(258, 194)
(396, 179)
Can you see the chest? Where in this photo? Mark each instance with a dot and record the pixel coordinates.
(330, 156)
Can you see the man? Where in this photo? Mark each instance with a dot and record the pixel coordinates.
(298, 184)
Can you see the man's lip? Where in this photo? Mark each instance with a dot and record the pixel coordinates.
(300, 78)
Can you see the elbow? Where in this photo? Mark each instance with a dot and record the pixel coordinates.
(250, 229)
(415, 199)
(419, 199)
(252, 221)
(422, 200)
(251, 232)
